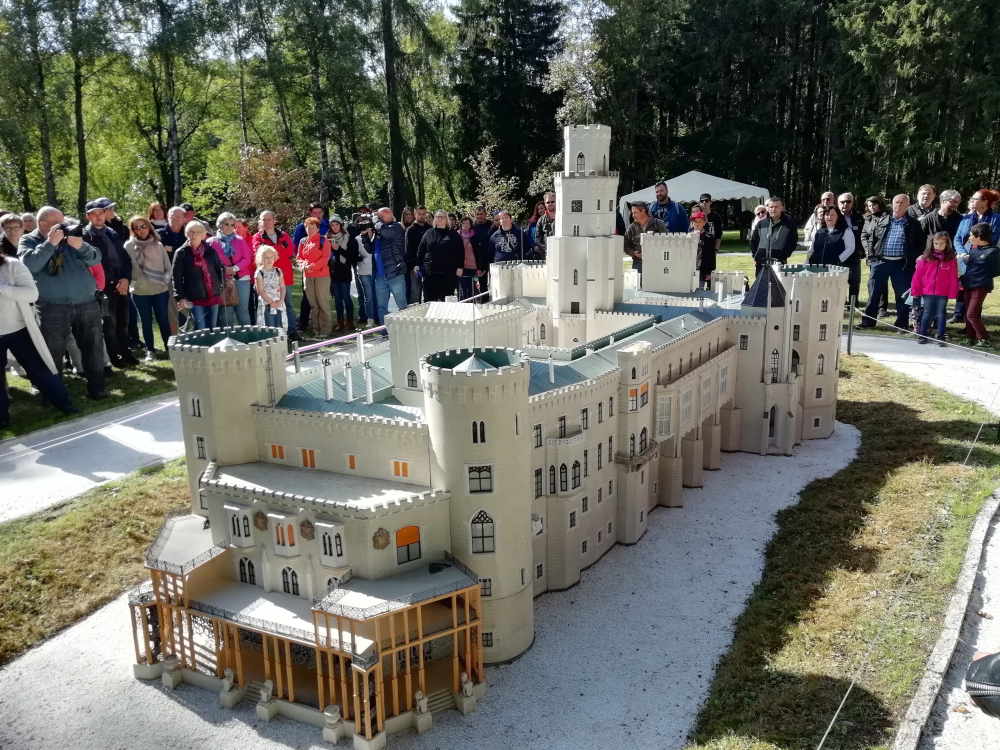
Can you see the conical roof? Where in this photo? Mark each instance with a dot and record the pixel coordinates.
(767, 286)
(474, 364)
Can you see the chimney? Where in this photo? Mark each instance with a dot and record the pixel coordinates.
(719, 291)
(368, 383)
(552, 370)
(348, 382)
(327, 379)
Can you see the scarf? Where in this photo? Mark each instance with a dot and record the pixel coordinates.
(470, 254)
(149, 258)
(202, 265)
(227, 244)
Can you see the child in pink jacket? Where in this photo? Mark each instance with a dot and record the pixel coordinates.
(935, 280)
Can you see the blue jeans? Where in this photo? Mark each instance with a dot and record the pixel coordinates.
(341, 291)
(148, 305)
(23, 348)
(935, 307)
(363, 295)
(272, 317)
(289, 310)
(383, 287)
(882, 273)
(367, 285)
(239, 315)
(204, 316)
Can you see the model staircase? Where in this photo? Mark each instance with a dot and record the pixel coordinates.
(441, 700)
(252, 692)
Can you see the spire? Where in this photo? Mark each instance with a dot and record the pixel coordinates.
(767, 290)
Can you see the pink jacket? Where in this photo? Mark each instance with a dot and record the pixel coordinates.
(241, 254)
(935, 277)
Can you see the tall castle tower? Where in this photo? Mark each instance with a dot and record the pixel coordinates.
(476, 408)
(220, 374)
(584, 255)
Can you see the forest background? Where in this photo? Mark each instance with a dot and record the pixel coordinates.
(251, 104)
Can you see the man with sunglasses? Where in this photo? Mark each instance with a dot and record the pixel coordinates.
(855, 223)
(546, 225)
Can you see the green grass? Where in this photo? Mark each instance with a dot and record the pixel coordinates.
(833, 566)
(60, 565)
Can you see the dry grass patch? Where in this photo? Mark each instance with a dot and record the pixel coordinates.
(833, 567)
(59, 565)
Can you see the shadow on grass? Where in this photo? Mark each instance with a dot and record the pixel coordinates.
(750, 696)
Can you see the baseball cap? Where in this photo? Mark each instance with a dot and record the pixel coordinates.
(96, 205)
(698, 214)
(187, 207)
(705, 197)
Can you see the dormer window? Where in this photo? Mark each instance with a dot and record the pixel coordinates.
(581, 162)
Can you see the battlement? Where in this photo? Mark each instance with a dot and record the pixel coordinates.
(572, 175)
(810, 271)
(226, 339)
(488, 361)
(515, 263)
(361, 419)
(669, 241)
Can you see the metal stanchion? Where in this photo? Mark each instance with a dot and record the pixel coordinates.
(298, 357)
(850, 323)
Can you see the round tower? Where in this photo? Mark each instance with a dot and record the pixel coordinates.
(476, 409)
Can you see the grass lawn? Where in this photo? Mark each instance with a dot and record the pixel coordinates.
(833, 567)
(829, 576)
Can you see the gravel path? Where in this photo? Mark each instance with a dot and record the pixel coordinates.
(622, 660)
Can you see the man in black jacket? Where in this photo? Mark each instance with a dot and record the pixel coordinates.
(855, 222)
(892, 242)
(414, 233)
(774, 238)
(117, 275)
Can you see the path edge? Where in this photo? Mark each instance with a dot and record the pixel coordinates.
(911, 729)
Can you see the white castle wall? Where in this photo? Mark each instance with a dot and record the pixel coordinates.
(670, 262)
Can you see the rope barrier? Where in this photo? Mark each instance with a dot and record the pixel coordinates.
(948, 344)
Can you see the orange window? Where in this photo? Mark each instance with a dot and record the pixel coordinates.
(407, 544)
(407, 535)
(631, 392)
(279, 535)
(278, 451)
(309, 458)
(400, 468)
(352, 462)
(645, 388)
(291, 535)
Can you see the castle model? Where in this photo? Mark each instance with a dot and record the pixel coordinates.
(366, 536)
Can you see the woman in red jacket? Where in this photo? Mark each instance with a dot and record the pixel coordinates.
(314, 262)
(270, 235)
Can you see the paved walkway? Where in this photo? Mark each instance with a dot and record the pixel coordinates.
(955, 724)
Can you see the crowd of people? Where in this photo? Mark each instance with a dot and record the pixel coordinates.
(83, 296)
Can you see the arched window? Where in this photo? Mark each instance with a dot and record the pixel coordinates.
(482, 432)
(820, 363)
(290, 581)
(291, 535)
(482, 533)
(581, 162)
(642, 440)
(576, 474)
(598, 204)
(541, 332)
(236, 526)
(795, 360)
(407, 544)
(631, 444)
(772, 421)
(279, 535)
(327, 544)
(517, 423)
(774, 366)
(411, 379)
(563, 478)
(243, 570)
(246, 526)
(251, 574)
(666, 270)
(338, 545)
(475, 432)
(478, 432)
(194, 406)
(576, 277)
(552, 480)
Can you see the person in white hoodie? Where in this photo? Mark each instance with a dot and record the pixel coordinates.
(20, 335)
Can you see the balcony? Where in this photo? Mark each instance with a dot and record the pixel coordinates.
(575, 438)
(634, 462)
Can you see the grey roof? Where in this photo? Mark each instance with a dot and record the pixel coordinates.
(766, 286)
(474, 364)
(639, 294)
(389, 408)
(566, 373)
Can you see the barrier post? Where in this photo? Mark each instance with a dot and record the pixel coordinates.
(298, 357)
(850, 323)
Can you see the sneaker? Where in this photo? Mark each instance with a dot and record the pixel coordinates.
(922, 340)
(129, 361)
(942, 343)
(883, 313)
(96, 395)
(70, 409)
(150, 357)
(970, 342)
(956, 319)
(984, 344)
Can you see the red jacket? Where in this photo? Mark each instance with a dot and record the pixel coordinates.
(935, 276)
(286, 253)
(315, 251)
(98, 273)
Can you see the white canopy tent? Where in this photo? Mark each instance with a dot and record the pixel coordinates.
(689, 186)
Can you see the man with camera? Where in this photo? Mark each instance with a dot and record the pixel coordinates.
(60, 262)
(117, 275)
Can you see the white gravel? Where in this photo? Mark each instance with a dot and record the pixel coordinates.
(622, 660)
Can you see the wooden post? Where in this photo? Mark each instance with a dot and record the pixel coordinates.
(379, 696)
(267, 658)
(333, 682)
(367, 707)
(188, 617)
(357, 700)
(219, 647)
(408, 686)
(454, 643)
(319, 679)
(468, 633)
(392, 655)
(135, 632)
(145, 634)
(277, 663)
(343, 687)
(420, 653)
(239, 657)
(288, 667)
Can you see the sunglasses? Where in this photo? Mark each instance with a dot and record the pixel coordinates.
(229, 223)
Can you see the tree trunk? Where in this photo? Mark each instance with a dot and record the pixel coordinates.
(396, 183)
(22, 182)
(279, 89)
(41, 97)
(352, 146)
(81, 137)
(318, 112)
(346, 169)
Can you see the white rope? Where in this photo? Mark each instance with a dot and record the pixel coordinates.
(948, 344)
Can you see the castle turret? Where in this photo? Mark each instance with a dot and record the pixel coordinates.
(220, 374)
(476, 407)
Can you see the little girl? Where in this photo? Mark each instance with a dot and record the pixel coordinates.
(935, 281)
(982, 265)
(270, 288)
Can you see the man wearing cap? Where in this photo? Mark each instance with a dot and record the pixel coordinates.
(188, 213)
(67, 305)
(414, 233)
(713, 223)
(117, 275)
(112, 220)
(642, 222)
(671, 213)
(706, 247)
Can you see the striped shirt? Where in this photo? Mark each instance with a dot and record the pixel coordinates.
(894, 246)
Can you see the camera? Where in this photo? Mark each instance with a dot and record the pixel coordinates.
(71, 230)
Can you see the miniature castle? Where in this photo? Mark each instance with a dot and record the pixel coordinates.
(366, 535)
